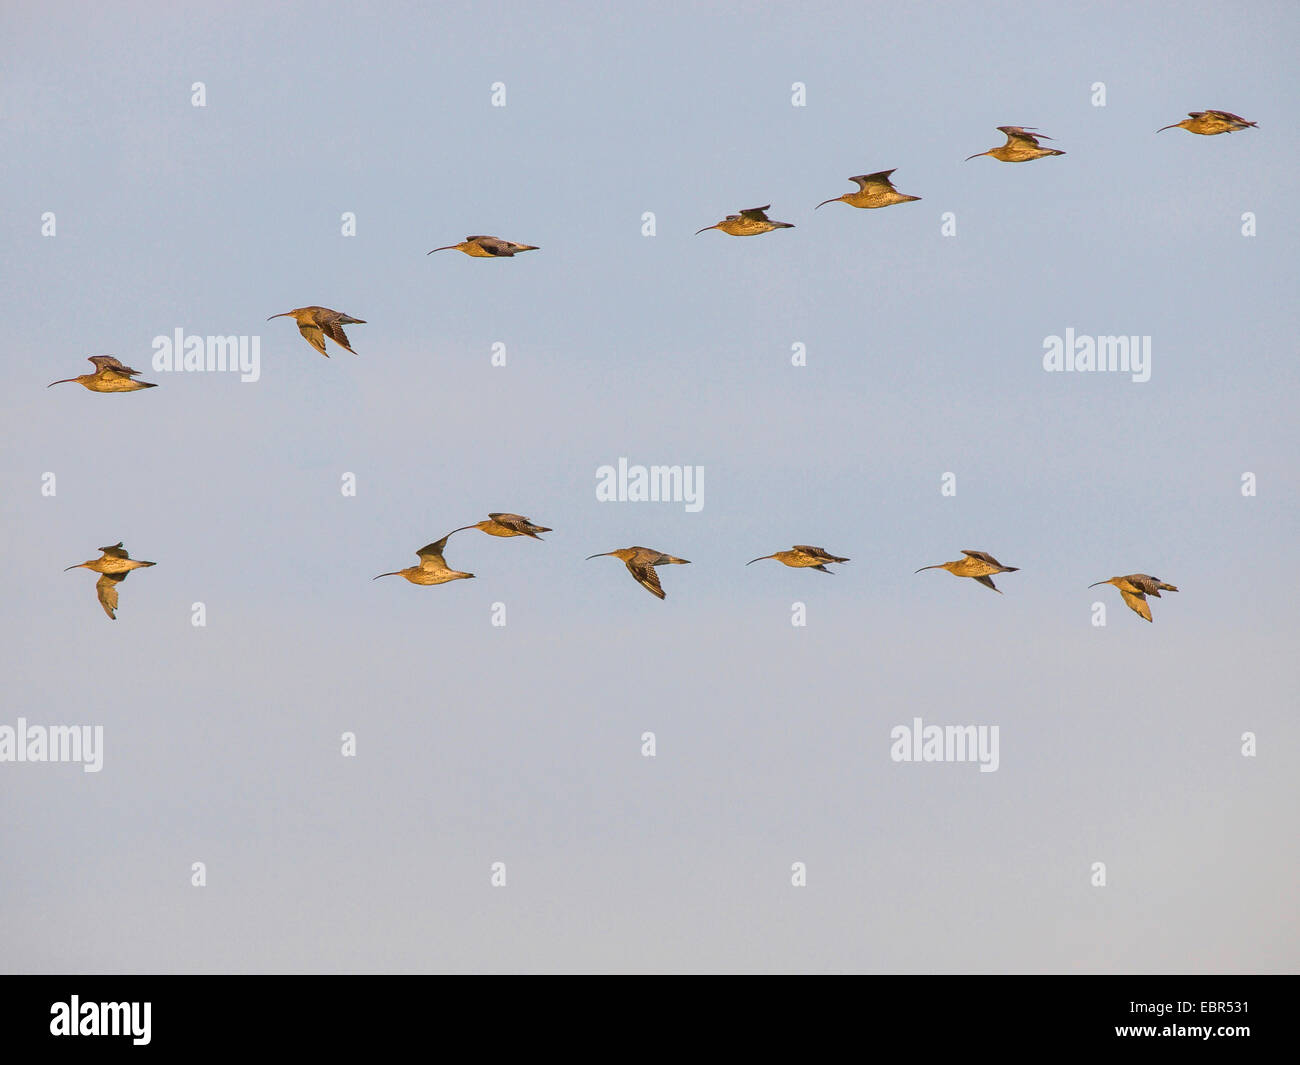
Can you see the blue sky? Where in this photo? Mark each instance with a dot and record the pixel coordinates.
(521, 744)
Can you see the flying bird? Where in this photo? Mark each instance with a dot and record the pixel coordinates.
(112, 566)
(874, 190)
(1135, 588)
(977, 564)
(1022, 146)
(433, 568)
(1210, 123)
(748, 223)
(317, 323)
(506, 525)
(641, 562)
(801, 556)
(487, 247)
(109, 376)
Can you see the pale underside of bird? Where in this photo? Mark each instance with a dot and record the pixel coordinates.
(483, 247)
(641, 562)
(112, 566)
(874, 190)
(803, 556)
(1210, 123)
(317, 323)
(1135, 588)
(978, 565)
(503, 524)
(1021, 146)
(109, 376)
(747, 223)
(433, 568)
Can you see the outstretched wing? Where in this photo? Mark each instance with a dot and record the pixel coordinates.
(335, 332)
(1137, 603)
(983, 556)
(756, 213)
(879, 179)
(313, 335)
(988, 583)
(1230, 117)
(108, 362)
(106, 589)
(115, 551)
(493, 245)
(1020, 137)
(646, 577)
(819, 552)
(431, 554)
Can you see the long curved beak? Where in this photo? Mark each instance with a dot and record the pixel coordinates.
(284, 315)
(449, 247)
(601, 555)
(697, 233)
(77, 566)
(761, 557)
(937, 565)
(1105, 582)
(395, 573)
(833, 199)
(1163, 128)
(65, 381)
(975, 156)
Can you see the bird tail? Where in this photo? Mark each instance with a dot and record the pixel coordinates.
(146, 384)
(1166, 587)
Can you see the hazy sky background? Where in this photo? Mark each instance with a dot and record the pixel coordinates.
(522, 744)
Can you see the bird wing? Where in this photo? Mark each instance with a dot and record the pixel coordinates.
(1137, 602)
(313, 335)
(108, 362)
(646, 577)
(1145, 583)
(1229, 116)
(431, 554)
(988, 583)
(115, 551)
(756, 213)
(983, 556)
(494, 245)
(335, 332)
(880, 178)
(1021, 137)
(815, 552)
(106, 589)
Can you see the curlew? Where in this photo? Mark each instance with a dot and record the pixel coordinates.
(801, 556)
(109, 376)
(487, 247)
(433, 568)
(112, 566)
(317, 323)
(1022, 146)
(641, 563)
(977, 564)
(500, 524)
(747, 224)
(874, 190)
(1135, 588)
(1208, 124)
